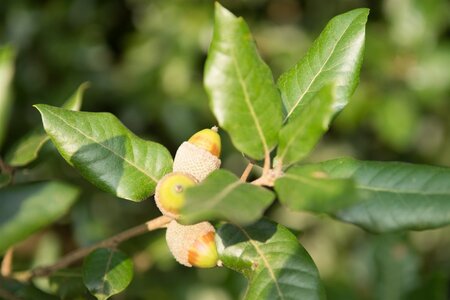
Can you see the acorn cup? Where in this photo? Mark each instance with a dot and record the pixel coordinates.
(199, 156)
(170, 192)
(193, 245)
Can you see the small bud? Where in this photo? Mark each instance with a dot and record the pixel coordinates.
(193, 245)
(199, 156)
(170, 192)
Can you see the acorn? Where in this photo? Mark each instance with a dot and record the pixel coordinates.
(170, 192)
(193, 245)
(199, 156)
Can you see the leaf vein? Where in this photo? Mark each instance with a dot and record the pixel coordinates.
(104, 146)
(317, 73)
(247, 101)
(266, 262)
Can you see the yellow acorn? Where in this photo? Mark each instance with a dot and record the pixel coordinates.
(199, 156)
(193, 245)
(170, 192)
(207, 139)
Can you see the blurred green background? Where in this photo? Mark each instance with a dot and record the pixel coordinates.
(144, 60)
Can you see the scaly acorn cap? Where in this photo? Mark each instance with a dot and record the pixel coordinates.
(170, 192)
(193, 245)
(199, 156)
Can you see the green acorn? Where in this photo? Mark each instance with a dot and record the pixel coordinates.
(170, 192)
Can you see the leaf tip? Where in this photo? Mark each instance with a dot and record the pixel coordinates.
(83, 87)
(222, 12)
(38, 107)
(363, 11)
(42, 108)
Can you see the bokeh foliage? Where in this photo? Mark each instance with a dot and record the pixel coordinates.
(145, 59)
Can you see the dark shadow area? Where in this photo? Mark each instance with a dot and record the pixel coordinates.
(102, 164)
(261, 231)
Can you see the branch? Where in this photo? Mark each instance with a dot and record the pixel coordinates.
(78, 254)
(246, 172)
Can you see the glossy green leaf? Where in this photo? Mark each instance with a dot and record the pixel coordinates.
(240, 86)
(106, 153)
(7, 57)
(334, 58)
(26, 209)
(298, 137)
(107, 272)
(394, 196)
(223, 196)
(273, 261)
(27, 148)
(308, 188)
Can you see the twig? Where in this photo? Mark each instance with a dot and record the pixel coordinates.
(266, 167)
(78, 254)
(269, 178)
(6, 267)
(246, 172)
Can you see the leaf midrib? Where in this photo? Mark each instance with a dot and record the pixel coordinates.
(366, 187)
(102, 145)
(387, 190)
(108, 264)
(294, 136)
(264, 259)
(312, 181)
(247, 101)
(317, 74)
(219, 197)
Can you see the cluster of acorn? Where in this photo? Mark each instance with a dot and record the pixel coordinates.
(191, 245)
